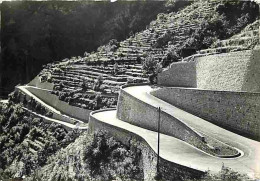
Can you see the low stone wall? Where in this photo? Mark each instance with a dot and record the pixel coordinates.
(64, 107)
(54, 116)
(235, 71)
(46, 120)
(236, 111)
(180, 74)
(44, 85)
(136, 112)
(169, 170)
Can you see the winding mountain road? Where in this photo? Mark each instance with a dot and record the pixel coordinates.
(69, 125)
(180, 152)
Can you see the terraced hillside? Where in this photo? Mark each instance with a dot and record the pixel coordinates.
(91, 86)
(247, 39)
(177, 25)
(173, 35)
(66, 92)
(92, 82)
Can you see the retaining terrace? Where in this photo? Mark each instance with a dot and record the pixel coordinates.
(235, 111)
(177, 154)
(180, 24)
(56, 114)
(145, 140)
(140, 113)
(247, 39)
(235, 71)
(53, 101)
(73, 77)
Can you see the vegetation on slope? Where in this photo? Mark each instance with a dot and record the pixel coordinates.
(97, 157)
(225, 174)
(37, 150)
(23, 133)
(27, 141)
(181, 34)
(36, 33)
(90, 85)
(151, 67)
(101, 157)
(227, 19)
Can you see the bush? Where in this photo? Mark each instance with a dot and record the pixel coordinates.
(20, 129)
(98, 83)
(115, 68)
(62, 97)
(108, 159)
(24, 101)
(152, 68)
(84, 85)
(49, 114)
(225, 174)
(38, 107)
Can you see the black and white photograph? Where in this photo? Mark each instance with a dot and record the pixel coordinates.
(130, 90)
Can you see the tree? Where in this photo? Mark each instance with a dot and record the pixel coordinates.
(84, 85)
(152, 68)
(116, 68)
(98, 83)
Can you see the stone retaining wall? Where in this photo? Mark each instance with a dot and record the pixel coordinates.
(236, 111)
(64, 107)
(136, 112)
(48, 121)
(54, 116)
(235, 71)
(169, 170)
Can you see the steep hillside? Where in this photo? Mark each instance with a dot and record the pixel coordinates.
(26, 141)
(100, 157)
(91, 81)
(92, 86)
(176, 35)
(28, 124)
(247, 39)
(97, 157)
(37, 33)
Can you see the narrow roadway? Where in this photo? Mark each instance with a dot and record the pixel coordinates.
(5, 101)
(69, 125)
(23, 89)
(72, 126)
(182, 153)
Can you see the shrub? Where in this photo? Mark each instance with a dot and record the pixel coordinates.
(108, 158)
(152, 68)
(115, 68)
(24, 101)
(225, 174)
(49, 114)
(38, 108)
(62, 96)
(98, 83)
